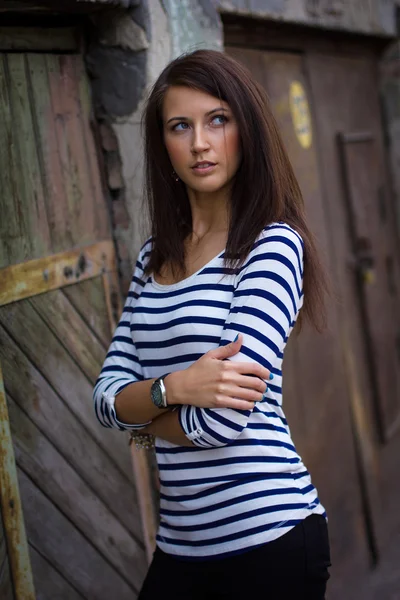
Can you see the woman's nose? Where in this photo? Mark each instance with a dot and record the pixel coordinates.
(200, 141)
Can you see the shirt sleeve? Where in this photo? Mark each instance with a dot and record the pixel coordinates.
(121, 366)
(267, 299)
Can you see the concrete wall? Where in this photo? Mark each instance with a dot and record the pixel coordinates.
(364, 16)
(128, 49)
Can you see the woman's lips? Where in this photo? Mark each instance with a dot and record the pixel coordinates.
(204, 169)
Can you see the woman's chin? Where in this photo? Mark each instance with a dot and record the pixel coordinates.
(206, 187)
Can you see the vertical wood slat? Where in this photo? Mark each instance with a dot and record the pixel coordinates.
(30, 206)
(12, 509)
(48, 126)
(10, 228)
(101, 216)
(141, 466)
(75, 171)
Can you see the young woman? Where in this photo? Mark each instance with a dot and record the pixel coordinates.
(196, 360)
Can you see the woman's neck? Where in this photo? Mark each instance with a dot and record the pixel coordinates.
(210, 215)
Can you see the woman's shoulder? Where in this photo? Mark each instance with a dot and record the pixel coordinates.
(279, 242)
(279, 231)
(144, 254)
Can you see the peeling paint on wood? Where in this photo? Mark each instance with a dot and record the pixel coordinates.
(12, 509)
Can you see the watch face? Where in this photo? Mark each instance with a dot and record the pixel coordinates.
(156, 394)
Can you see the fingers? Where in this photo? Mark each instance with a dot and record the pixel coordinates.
(236, 403)
(223, 352)
(252, 383)
(249, 369)
(249, 394)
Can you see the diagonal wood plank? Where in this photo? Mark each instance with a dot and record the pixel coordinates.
(61, 317)
(52, 360)
(54, 476)
(88, 299)
(49, 583)
(46, 410)
(54, 536)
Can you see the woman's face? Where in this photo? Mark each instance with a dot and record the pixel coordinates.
(202, 138)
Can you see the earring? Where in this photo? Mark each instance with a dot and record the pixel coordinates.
(175, 176)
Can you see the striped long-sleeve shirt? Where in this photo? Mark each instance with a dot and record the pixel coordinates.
(243, 483)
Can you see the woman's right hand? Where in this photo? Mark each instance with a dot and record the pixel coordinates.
(213, 382)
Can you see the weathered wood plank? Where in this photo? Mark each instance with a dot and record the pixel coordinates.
(10, 227)
(39, 38)
(61, 317)
(46, 124)
(59, 542)
(102, 220)
(6, 591)
(50, 414)
(30, 197)
(52, 360)
(11, 509)
(6, 587)
(49, 584)
(33, 277)
(52, 474)
(52, 586)
(66, 173)
(72, 151)
(88, 300)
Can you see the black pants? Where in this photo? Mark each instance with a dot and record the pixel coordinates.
(293, 567)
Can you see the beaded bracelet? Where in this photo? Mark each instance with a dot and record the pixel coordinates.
(142, 441)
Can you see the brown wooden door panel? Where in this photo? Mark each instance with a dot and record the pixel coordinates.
(316, 398)
(376, 271)
(357, 204)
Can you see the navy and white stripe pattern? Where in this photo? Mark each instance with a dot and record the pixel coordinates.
(243, 483)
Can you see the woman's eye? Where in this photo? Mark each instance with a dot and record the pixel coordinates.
(180, 127)
(219, 120)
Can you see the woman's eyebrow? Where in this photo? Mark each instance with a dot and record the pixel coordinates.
(207, 114)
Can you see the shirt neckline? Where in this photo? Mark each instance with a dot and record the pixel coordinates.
(183, 282)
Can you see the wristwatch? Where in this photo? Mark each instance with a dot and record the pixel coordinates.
(159, 393)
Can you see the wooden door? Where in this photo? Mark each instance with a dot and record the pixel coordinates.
(339, 165)
(59, 300)
(366, 255)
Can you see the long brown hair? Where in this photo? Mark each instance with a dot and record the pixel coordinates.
(265, 189)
